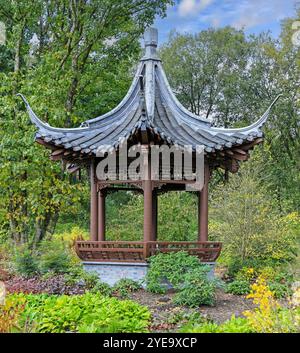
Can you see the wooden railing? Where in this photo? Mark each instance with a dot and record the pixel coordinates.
(127, 251)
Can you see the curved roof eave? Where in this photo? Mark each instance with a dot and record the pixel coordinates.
(45, 126)
(250, 128)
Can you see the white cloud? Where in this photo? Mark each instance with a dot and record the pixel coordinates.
(192, 7)
(256, 12)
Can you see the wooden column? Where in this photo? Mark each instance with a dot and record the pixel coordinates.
(147, 185)
(203, 207)
(154, 215)
(94, 204)
(101, 215)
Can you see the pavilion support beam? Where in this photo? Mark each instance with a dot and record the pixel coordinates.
(203, 207)
(94, 203)
(101, 215)
(154, 215)
(148, 199)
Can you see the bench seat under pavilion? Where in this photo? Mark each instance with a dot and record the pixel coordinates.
(150, 114)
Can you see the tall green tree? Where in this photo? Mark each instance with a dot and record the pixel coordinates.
(73, 61)
(230, 78)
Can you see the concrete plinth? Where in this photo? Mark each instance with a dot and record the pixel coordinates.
(112, 272)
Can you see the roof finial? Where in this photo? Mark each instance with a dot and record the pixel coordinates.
(151, 41)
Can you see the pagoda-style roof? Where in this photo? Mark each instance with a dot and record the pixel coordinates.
(149, 112)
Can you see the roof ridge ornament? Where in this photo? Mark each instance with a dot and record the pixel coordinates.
(151, 43)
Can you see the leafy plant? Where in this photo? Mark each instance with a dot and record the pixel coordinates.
(234, 325)
(125, 286)
(269, 316)
(9, 316)
(54, 257)
(103, 288)
(25, 262)
(280, 290)
(184, 273)
(82, 313)
(239, 287)
(169, 268)
(196, 289)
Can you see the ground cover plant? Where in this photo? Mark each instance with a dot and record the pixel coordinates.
(80, 313)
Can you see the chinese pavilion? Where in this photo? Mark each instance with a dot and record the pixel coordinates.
(149, 114)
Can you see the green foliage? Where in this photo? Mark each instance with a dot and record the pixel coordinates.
(90, 280)
(280, 290)
(77, 273)
(239, 287)
(102, 288)
(124, 286)
(234, 325)
(196, 289)
(62, 74)
(90, 312)
(54, 257)
(25, 262)
(171, 268)
(252, 231)
(185, 274)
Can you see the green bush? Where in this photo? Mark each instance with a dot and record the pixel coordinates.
(25, 262)
(54, 257)
(171, 268)
(234, 325)
(255, 234)
(280, 290)
(93, 313)
(102, 288)
(76, 273)
(238, 287)
(185, 274)
(196, 289)
(125, 285)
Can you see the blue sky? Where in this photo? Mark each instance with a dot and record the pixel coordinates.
(254, 16)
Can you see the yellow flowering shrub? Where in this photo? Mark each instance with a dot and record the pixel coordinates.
(246, 274)
(269, 316)
(72, 235)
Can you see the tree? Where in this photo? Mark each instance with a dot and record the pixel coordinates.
(243, 217)
(231, 79)
(211, 73)
(56, 54)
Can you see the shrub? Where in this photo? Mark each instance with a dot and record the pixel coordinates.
(54, 257)
(238, 287)
(185, 274)
(255, 232)
(125, 286)
(280, 290)
(234, 325)
(169, 267)
(103, 288)
(90, 312)
(196, 289)
(269, 316)
(25, 262)
(69, 236)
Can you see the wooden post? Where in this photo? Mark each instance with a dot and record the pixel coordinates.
(101, 215)
(94, 204)
(203, 207)
(147, 185)
(154, 215)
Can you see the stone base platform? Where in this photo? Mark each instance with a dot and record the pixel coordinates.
(112, 272)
